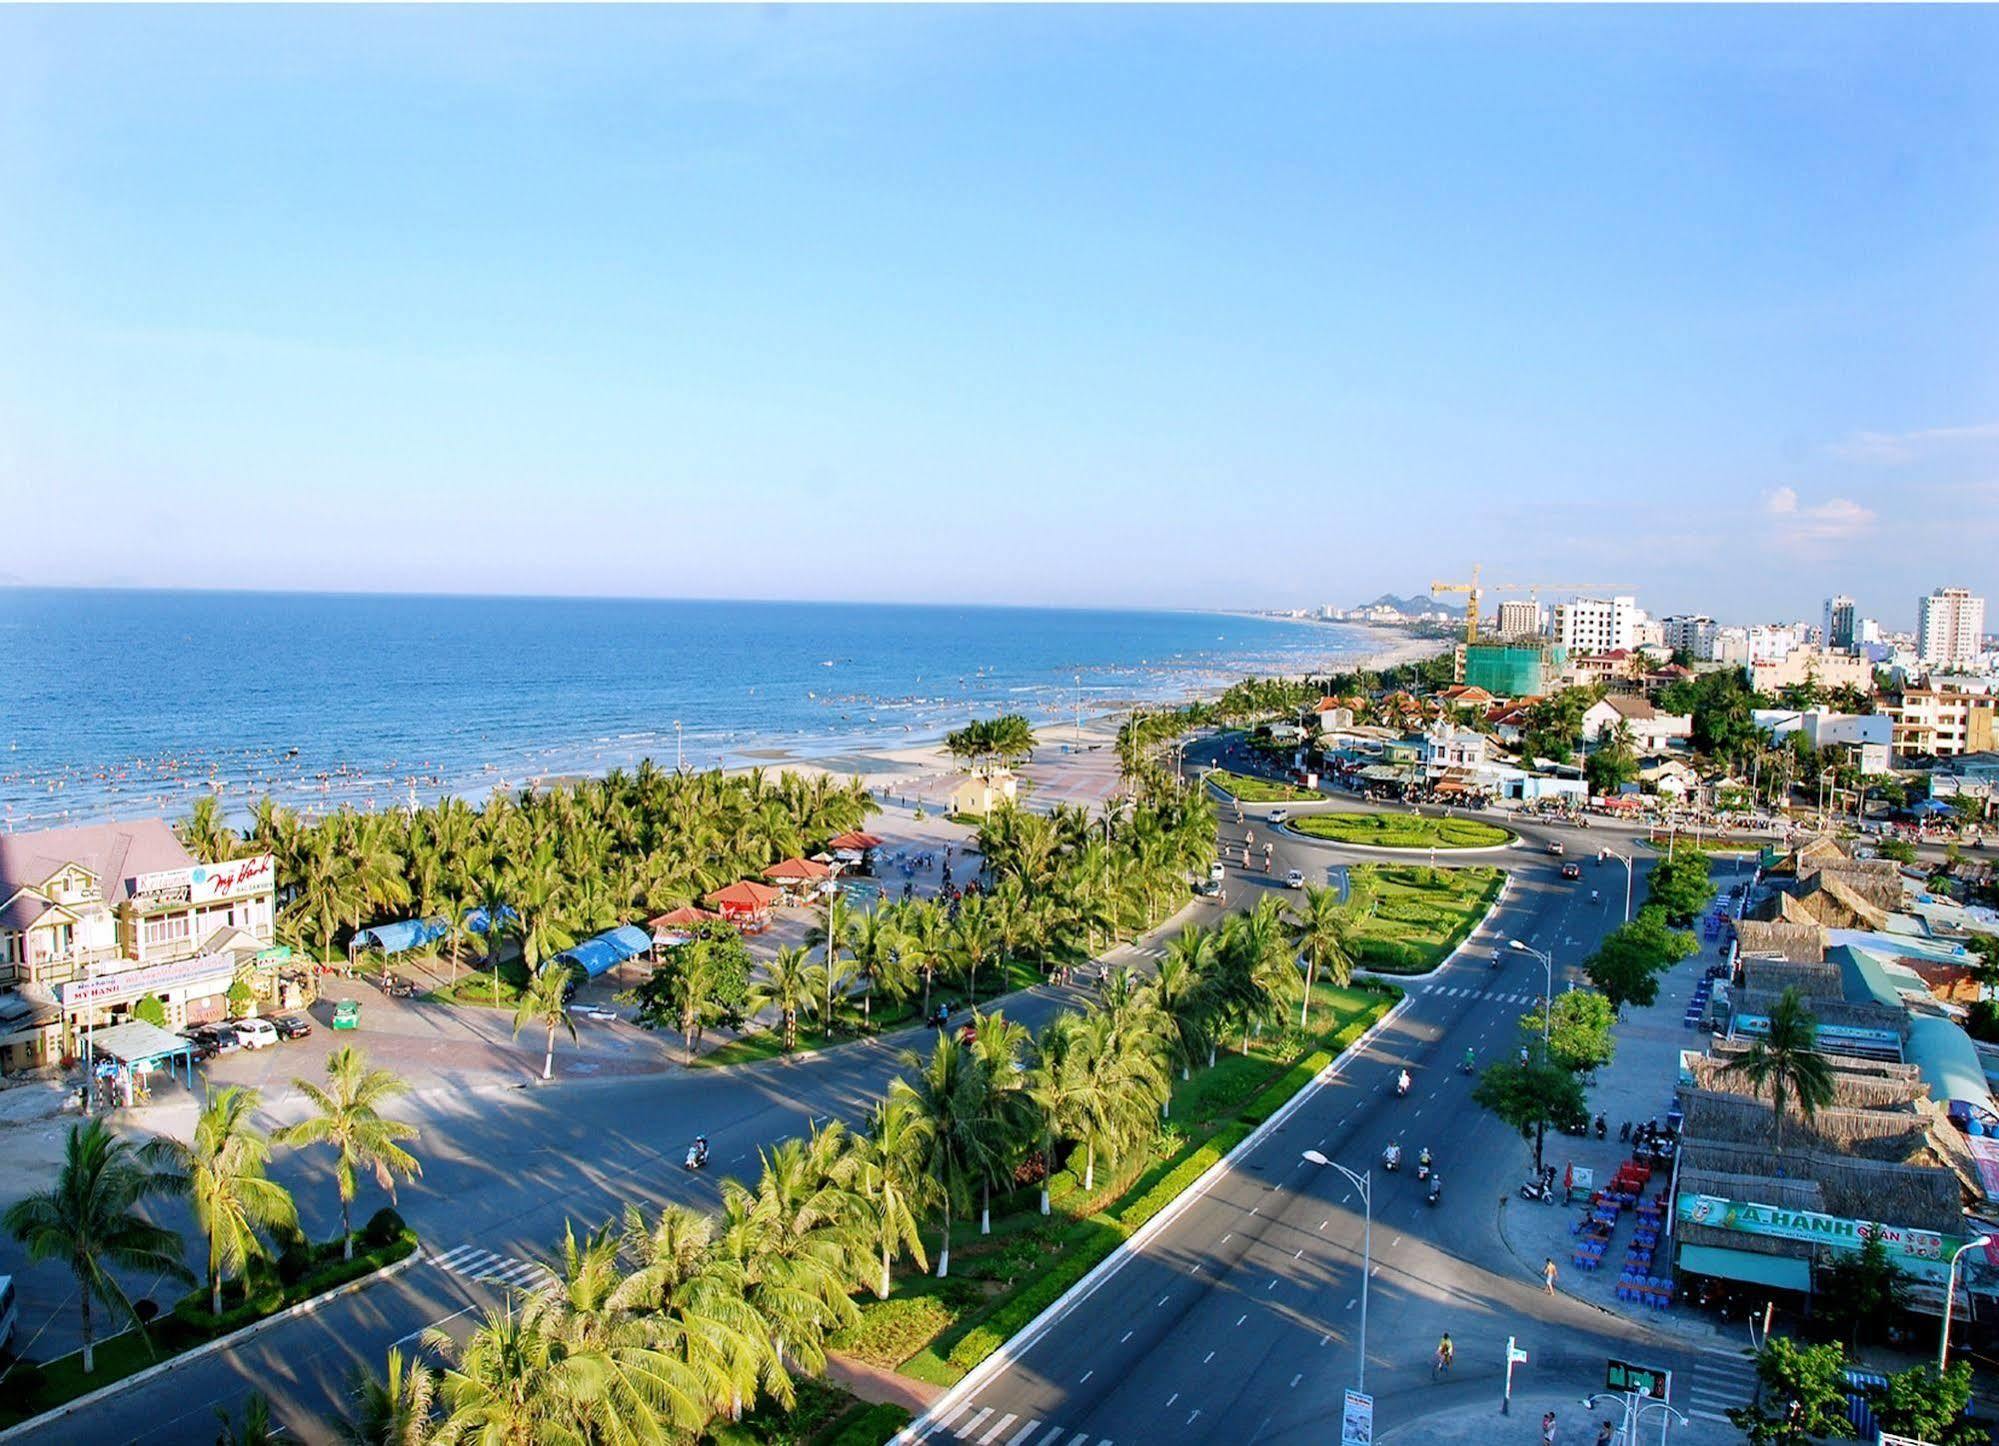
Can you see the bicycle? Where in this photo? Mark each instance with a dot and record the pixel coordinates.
(1440, 1364)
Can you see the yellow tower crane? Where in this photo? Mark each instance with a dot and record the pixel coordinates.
(1474, 590)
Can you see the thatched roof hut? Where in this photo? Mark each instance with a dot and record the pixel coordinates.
(1807, 858)
(1726, 1049)
(1813, 977)
(1840, 1012)
(1917, 1196)
(1851, 1090)
(1743, 1119)
(1798, 942)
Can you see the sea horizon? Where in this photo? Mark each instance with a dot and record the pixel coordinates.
(372, 700)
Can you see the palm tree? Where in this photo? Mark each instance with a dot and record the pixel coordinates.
(972, 938)
(222, 1172)
(877, 959)
(546, 1001)
(698, 1298)
(800, 1242)
(1047, 1085)
(1178, 992)
(997, 1043)
(1786, 1061)
(503, 1390)
(888, 1180)
(784, 984)
(203, 831)
(393, 1409)
(88, 1219)
(324, 890)
(947, 1092)
(347, 1120)
(1323, 934)
(1116, 1084)
(256, 1427)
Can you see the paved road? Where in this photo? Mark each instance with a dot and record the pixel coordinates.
(504, 1170)
(1240, 1321)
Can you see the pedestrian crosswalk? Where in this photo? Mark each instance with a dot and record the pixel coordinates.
(1722, 1380)
(1500, 995)
(483, 1265)
(987, 1426)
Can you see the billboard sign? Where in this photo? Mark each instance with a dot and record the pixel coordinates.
(156, 979)
(204, 883)
(1773, 1221)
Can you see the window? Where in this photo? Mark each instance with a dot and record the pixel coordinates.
(165, 929)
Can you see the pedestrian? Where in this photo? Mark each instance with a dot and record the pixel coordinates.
(1548, 1429)
(1548, 1275)
(1605, 1434)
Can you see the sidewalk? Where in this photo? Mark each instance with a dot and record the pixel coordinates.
(1575, 1425)
(1637, 1086)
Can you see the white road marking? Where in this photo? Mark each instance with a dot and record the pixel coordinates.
(1209, 1357)
(1005, 1421)
(953, 1414)
(1241, 1318)
(1299, 1256)
(1228, 1237)
(1172, 1398)
(1125, 1337)
(1350, 1304)
(965, 1431)
(1020, 1436)
(1162, 1300)
(1324, 1223)
(1296, 1379)
(1273, 1283)
(1086, 1376)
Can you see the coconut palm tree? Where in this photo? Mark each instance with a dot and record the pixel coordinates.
(948, 1092)
(396, 1408)
(997, 1046)
(877, 958)
(505, 1388)
(323, 887)
(205, 834)
(361, 1137)
(800, 1243)
(223, 1174)
(1116, 1086)
(89, 1220)
(698, 1298)
(786, 978)
(1322, 932)
(972, 938)
(1048, 1085)
(538, 887)
(546, 1002)
(887, 1180)
(1786, 1062)
(830, 936)
(1178, 992)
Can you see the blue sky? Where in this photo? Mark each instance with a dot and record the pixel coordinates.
(1176, 307)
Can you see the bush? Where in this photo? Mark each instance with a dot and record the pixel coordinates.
(384, 1227)
(1088, 1242)
(296, 1261)
(893, 1330)
(872, 1427)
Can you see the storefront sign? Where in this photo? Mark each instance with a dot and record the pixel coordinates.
(206, 882)
(156, 979)
(1780, 1224)
(1830, 1036)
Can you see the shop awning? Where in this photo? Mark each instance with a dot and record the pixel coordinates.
(1785, 1272)
(137, 1042)
(479, 922)
(408, 934)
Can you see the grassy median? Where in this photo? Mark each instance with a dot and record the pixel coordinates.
(1402, 831)
(1415, 915)
(1262, 790)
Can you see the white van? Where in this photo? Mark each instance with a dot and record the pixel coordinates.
(255, 1033)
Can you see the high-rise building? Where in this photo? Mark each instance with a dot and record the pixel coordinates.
(1596, 625)
(1689, 633)
(1951, 627)
(1519, 620)
(1842, 623)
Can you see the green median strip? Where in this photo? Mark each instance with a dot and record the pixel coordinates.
(1402, 831)
(1262, 790)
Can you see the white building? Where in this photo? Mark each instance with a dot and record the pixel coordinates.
(1597, 625)
(1519, 620)
(1842, 623)
(1690, 633)
(1731, 645)
(1771, 643)
(1651, 730)
(1951, 627)
(1866, 738)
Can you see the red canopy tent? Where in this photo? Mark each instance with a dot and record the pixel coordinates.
(684, 917)
(856, 841)
(745, 902)
(797, 871)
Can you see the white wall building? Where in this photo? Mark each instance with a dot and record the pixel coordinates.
(1597, 625)
(1771, 643)
(1519, 620)
(1842, 623)
(1690, 633)
(1951, 627)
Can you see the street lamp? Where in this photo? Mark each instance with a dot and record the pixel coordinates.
(1950, 1294)
(1365, 1184)
(1622, 859)
(1548, 997)
(676, 746)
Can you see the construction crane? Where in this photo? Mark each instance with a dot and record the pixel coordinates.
(1474, 590)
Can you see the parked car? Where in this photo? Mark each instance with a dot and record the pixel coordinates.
(1294, 879)
(222, 1037)
(203, 1043)
(292, 1026)
(1209, 889)
(1572, 871)
(255, 1033)
(347, 1014)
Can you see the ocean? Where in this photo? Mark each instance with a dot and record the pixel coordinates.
(122, 703)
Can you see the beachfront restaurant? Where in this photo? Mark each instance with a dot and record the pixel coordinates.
(797, 877)
(676, 926)
(746, 904)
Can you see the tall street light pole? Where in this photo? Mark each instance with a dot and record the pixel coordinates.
(1365, 1184)
(1548, 994)
(1613, 853)
(1949, 1294)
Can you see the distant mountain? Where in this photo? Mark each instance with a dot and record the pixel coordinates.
(1417, 603)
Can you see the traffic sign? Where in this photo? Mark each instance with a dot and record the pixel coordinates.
(1653, 1382)
(1357, 1420)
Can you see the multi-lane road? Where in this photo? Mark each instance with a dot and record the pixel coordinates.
(1239, 1321)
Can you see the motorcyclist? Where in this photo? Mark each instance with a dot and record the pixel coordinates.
(1471, 1060)
(1402, 1082)
(1391, 1158)
(1423, 1158)
(1436, 1186)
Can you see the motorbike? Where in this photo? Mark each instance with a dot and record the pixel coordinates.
(1422, 1169)
(1436, 1189)
(1538, 1190)
(1401, 1086)
(1464, 1066)
(1391, 1159)
(1602, 1127)
(697, 1155)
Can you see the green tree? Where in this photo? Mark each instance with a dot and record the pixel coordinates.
(1920, 1404)
(830, 937)
(506, 1387)
(1613, 762)
(393, 1409)
(346, 1118)
(1579, 1034)
(702, 984)
(1680, 886)
(1530, 1097)
(947, 1093)
(1323, 934)
(204, 833)
(546, 1002)
(1785, 1062)
(1627, 964)
(889, 1182)
(1860, 1290)
(255, 1429)
(223, 1172)
(1803, 1396)
(784, 985)
(89, 1220)
(151, 1010)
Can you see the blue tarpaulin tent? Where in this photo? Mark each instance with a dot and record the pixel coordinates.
(1934, 805)
(395, 938)
(478, 922)
(606, 951)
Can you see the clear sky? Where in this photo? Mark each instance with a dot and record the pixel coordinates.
(1208, 307)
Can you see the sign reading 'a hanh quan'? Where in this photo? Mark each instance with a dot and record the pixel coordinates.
(1838, 1231)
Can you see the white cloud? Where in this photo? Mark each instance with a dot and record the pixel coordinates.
(1837, 519)
(1895, 448)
